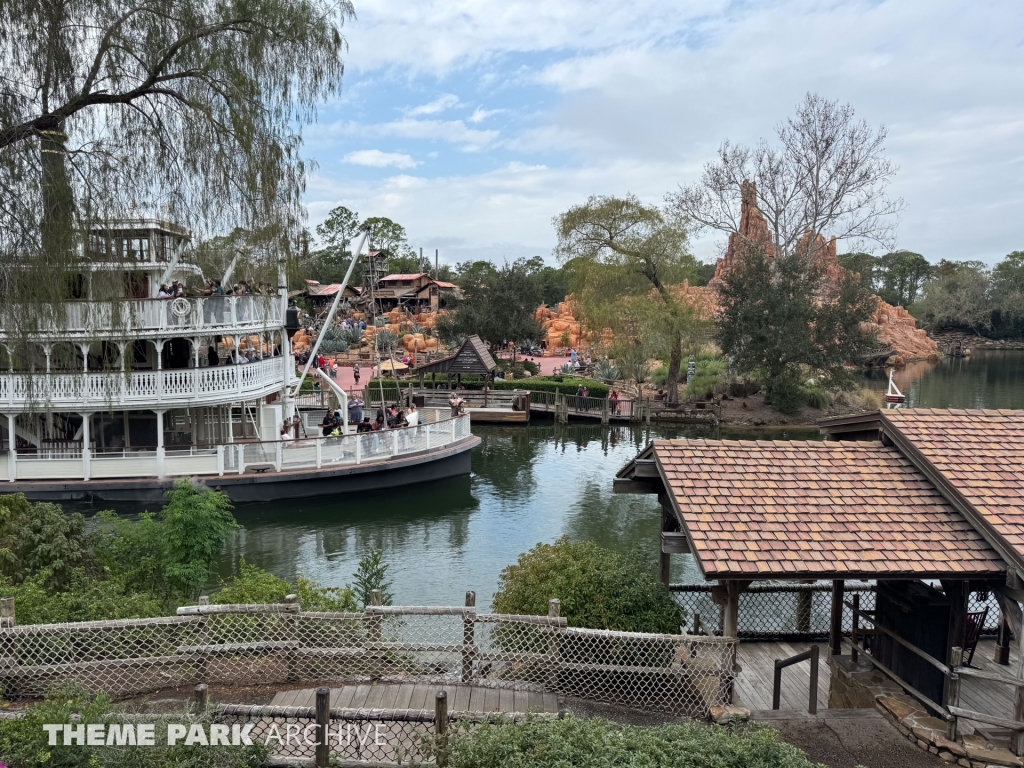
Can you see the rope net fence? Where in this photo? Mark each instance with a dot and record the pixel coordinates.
(281, 645)
(793, 611)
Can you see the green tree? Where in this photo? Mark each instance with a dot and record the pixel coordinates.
(183, 109)
(371, 575)
(623, 250)
(500, 308)
(338, 234)
(170, 554)
(387, 235)
(40, 540)
(1008, 294)
(776, 323)
(597, 587)
(959, 296)
(900, 275)
(473, 274)
(863, 264)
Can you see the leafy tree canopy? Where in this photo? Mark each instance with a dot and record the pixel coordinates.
(780, 321)
(597, 587)
(499, 306)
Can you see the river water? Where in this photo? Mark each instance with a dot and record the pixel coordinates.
(533, 484)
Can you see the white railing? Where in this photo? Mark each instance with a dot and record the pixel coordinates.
(177, 316)
(239, 458)
(150, 389)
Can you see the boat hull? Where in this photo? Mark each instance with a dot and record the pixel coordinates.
(449, 461)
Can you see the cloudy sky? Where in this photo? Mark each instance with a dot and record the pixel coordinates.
(474, 122)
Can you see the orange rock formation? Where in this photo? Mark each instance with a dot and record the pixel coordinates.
(897, 327)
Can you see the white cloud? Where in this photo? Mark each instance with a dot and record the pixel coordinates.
(377, 159)
(480, 114)
(448, 101)
(606, 97)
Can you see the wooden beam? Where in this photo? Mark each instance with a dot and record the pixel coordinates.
(645, 468)
(675, 543)
(836, 621)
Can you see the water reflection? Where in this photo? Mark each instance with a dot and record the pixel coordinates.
(986, 379)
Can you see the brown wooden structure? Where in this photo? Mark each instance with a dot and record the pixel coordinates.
(929, 504)
(470, 358)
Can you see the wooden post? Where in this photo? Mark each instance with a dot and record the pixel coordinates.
(1017, 737)
(323, 727)
(554, 659)
(201, 697)
(204, 638)
(836, 622)
(956, 657)
(855, 628)
(291, 622)
(7, 618)
(1002, 652)
(468, 627)
(803, 611)
(441, 727)
(956, 634)
(374, 620)
(812, 696)
(664, 565)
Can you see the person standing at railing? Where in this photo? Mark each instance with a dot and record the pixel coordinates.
(613, 401)
(355, 373)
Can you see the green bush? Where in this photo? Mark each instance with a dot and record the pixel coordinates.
(170, 554)
(24, 743)
(709, 376)
(599, 743)
(659, 375)
(597, 587)
(254, 585)
(82, 598)
(38, 539)
(817, 397)
(567, 385)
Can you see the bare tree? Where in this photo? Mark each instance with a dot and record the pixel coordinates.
(826, 175)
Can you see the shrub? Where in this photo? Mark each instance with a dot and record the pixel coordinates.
(607, 372)
(171, 554)
(371, 575)
(82, 598)
(598, 743)
(869, 399)
(352, 336)
(40, 540)
(709, 377)
(598, 588)
(659, 375)
(333, 346)
(567, 385)
(817, 397)
(23, 742)
(255, 585)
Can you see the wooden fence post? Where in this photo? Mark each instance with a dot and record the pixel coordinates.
(204, 636)
(855, 627)
(956, 657)
(835, 637)
(374, 619)
(803, 610)
(201, 697)
(323, 727)
(441, 727)
(554, 612)
(7, 618)
(468, 627)
(291, 622)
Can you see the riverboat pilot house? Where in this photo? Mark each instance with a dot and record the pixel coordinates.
(927, 506)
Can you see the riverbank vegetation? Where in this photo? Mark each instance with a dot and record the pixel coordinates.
(598, 588)
(59, 568)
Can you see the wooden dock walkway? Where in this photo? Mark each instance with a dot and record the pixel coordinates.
(753, 688)
(461, 698)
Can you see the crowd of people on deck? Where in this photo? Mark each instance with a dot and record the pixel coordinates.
(388, 417)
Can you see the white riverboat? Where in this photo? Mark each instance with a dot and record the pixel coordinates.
(115, 400)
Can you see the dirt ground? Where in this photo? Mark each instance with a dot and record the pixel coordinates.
(751, 411)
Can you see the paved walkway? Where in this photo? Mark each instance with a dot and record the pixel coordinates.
(461, 698)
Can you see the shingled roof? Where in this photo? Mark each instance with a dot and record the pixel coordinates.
(788, 509)
(974, 457)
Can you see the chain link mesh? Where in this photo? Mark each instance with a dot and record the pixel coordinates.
(280, 645)
(793, 611)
